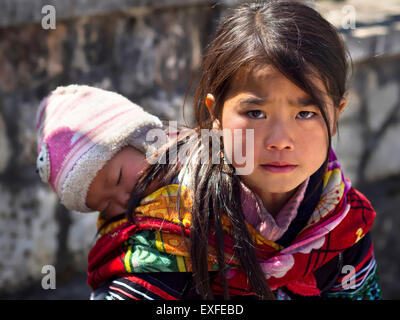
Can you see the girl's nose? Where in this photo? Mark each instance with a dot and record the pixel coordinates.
(279, 138)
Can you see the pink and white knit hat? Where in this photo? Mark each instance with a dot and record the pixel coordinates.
(79, 128)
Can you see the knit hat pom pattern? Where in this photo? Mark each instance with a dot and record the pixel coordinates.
(80, 128)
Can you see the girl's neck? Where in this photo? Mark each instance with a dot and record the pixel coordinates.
(274, 202)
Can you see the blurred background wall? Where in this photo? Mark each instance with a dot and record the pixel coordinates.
(149, 51)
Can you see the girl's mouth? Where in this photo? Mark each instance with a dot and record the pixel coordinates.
(278, 169)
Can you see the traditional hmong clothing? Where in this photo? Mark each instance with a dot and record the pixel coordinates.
(319, 248)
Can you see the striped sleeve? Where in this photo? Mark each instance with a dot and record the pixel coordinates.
(358, 277)
(148, 286)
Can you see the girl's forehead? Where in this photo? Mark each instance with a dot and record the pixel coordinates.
(259, 71)
(264, 77)
(260, 80)
(255, 75)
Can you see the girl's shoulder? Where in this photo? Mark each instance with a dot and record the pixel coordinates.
(361, 214)
(358, 201)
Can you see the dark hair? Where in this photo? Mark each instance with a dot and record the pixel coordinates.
(300, 44)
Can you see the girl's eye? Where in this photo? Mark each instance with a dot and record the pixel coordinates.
(255, 114)
(307, 114)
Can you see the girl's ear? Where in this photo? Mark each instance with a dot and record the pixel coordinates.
(338, 111)
(210, 102)
(342, 105)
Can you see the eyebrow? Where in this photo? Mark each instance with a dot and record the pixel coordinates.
(301, 102)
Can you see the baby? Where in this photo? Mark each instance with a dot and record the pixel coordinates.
(92, 146)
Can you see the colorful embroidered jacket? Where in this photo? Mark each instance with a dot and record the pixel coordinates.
(327, 251)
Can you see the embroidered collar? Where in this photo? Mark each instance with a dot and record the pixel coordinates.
(271, 228)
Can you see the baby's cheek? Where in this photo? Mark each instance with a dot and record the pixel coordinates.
(94, 196)
(131, 183)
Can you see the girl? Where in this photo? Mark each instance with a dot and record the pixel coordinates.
(293, 227)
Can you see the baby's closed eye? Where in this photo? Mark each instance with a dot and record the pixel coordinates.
(119, 177)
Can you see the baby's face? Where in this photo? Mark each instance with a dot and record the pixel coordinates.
(113, 184)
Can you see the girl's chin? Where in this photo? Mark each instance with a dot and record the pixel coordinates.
(277, 187)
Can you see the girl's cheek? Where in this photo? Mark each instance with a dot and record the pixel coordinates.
(239, 146)
(238, 139)
(228, 146)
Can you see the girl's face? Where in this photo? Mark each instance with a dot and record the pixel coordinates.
(288, 130)
(111, 188)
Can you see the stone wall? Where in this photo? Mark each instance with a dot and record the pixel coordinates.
(369, 142)
(147, 53)
(150, 51)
